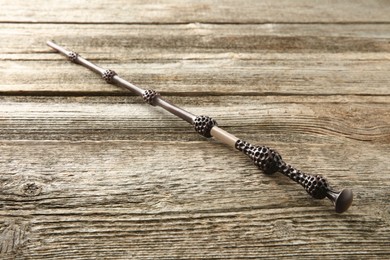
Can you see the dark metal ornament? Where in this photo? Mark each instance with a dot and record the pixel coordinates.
(263, 157)
(203, 125)
(149, 96)
(270, 161)
(72, 56)
(108, 75)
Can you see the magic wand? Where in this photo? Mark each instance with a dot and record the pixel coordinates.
(265, 158)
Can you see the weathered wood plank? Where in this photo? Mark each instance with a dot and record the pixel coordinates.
(114, 41)
(167, 199)
(326, 119)
(184, 11)
(217, 59)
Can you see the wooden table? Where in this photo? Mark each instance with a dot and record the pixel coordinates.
(87, 170)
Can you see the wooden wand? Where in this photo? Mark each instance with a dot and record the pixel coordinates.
(265, 158)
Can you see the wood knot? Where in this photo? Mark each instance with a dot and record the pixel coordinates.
(31, 189)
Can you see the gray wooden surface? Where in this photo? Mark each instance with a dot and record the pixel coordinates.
(87, 170)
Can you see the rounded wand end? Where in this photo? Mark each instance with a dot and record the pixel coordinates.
(343, 200)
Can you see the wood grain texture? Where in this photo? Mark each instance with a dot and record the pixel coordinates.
(88, 171)
(185, 11)
(315, 119)
(193, 59)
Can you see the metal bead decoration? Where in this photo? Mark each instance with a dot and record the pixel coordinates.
(316, 186)
(267, 159)
(271, 161)
(203, 125)
(108, 75)
(72, 56)
(149, 95)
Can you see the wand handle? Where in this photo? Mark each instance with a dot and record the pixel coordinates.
(266, 159)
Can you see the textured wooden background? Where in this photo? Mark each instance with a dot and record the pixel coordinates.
(87, 170)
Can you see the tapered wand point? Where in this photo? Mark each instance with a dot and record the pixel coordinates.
(50, 42)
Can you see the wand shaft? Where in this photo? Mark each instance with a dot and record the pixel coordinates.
(265, 158)
(156, 100)
(111, 77)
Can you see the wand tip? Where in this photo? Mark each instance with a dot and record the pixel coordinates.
(50, 42)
